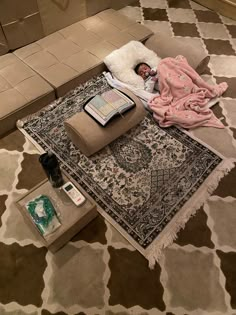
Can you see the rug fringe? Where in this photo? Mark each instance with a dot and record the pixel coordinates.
(155, 251)
(38, 147)
(21, 122)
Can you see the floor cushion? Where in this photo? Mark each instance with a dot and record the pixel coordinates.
(166, 46)
(90, 137)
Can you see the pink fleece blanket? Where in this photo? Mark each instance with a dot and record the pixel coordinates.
(184, 96)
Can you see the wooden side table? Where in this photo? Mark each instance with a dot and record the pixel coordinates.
(72, 218)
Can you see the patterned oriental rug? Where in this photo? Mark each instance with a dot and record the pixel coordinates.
(147, 183)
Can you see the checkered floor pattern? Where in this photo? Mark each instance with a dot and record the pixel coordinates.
(99, 272)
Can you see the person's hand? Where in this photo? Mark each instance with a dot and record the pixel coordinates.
(152, 73)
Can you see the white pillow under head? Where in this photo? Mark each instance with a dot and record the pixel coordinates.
(121, 62)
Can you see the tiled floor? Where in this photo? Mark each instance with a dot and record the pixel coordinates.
(98, 272)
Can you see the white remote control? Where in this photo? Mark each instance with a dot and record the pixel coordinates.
(74, 194)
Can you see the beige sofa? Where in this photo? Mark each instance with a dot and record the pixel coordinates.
(47, 67)
(62, 46)
(75, 53)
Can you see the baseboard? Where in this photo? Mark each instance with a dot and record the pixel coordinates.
(224, 7)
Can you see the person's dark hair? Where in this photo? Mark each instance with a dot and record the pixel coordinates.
(139, 64)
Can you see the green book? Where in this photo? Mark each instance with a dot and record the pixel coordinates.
(43, 214)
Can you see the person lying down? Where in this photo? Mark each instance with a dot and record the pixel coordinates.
(184, 95)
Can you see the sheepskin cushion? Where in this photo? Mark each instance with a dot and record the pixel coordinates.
(122, 62)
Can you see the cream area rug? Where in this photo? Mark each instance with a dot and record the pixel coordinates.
(147, 183)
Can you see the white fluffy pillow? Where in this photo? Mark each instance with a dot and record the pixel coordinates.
(121, 62)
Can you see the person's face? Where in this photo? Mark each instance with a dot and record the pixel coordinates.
(143, 69)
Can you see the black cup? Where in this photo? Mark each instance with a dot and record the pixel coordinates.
(51, 167)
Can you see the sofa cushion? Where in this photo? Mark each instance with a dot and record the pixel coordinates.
(56, 14)
(75, 53)
(22, 91)
(20, 21)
